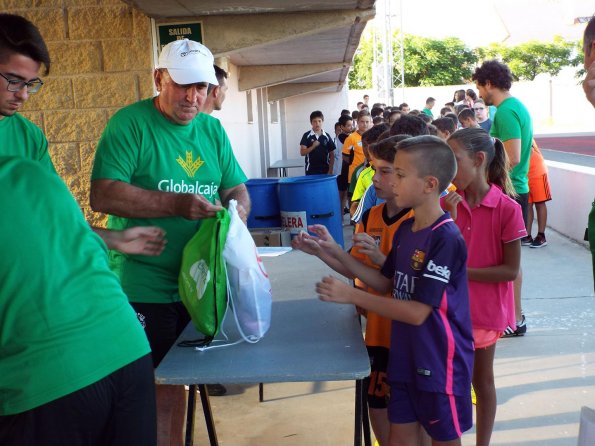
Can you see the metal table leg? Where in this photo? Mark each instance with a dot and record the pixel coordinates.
(206, 408)
(190, 415)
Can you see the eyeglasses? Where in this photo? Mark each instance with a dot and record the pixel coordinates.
(15, 85)
(479, 108)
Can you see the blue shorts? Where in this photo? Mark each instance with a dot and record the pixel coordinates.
(444, 417)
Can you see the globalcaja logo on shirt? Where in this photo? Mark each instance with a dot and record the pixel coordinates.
(190, 166)
(417, 259)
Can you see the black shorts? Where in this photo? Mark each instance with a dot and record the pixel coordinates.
(342, 178)
(118, 410)
(163, 323)
(378, 388)
(523, 200)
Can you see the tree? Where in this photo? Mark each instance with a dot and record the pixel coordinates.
(529, 59)
(430, 62)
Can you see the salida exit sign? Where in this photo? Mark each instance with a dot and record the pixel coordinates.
(168, 32)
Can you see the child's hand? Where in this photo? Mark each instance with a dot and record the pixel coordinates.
(325, 240)
(332, 289)
(306, 243)
(367, 245)
(451, 202)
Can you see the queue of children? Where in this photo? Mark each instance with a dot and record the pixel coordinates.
(428, 264)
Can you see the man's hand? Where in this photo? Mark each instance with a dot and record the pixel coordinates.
(589, 84)
(331, 289)
(315, 144)
(195, 207)
(367, 246)
(451, 201)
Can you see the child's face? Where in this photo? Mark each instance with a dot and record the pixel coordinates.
(467, 168)
(364, 123)
(383, 179)
(348, 127)
(408, 186)
(316, 124)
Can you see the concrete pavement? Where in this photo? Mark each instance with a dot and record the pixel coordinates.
(542, 379)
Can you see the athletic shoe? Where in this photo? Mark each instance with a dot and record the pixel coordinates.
(526, 241)
(539, 241)
(521, 329)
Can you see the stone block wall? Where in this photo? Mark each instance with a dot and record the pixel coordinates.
(101, 61)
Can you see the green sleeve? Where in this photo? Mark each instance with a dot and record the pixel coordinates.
(117, 151)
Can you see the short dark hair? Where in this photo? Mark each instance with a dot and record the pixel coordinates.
(345, 112)
(453, 118)
(425, 118)
(377, 120)
(220, 74)
(466, 113)
(445, 124)
(589, 36)
(409, 125)
(343, 119)
(445, 110)
(430, 99)
(376, 111)
(433, 157)
(19, 36)
(497, 73)
(386, 149)
(370, 136)
(404, 104)
(355, 114)
(316, 114)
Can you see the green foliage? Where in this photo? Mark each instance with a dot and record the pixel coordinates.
(430, 62)
(433, 62)
(529, 59)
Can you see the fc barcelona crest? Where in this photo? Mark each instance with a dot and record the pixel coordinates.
(417, 259)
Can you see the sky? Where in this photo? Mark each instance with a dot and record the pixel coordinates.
(478, 23)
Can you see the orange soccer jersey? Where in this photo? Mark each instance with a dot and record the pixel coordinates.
(539, 185)
(376, 223)
(354, 140)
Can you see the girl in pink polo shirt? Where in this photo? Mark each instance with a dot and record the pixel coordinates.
(492, 225)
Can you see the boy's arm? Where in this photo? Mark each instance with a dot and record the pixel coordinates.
(408, 311)
(304, 150)
(307, 244)
(370, 276)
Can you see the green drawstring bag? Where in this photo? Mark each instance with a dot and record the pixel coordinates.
(203, 279)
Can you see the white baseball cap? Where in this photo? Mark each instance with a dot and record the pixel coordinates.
(188, 62)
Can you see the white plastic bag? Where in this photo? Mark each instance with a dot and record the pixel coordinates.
(249, 285)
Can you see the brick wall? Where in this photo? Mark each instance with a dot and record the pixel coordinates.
(101, 61)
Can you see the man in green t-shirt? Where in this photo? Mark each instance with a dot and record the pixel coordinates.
(162, 162)
(513, 126)
(22, 52)
(75, 364)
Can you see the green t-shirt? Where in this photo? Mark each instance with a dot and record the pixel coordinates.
(356, 173)
(20, 137)
(428, 112)
(514, 122)
(363, 182)
(65, 322)
(140, 147)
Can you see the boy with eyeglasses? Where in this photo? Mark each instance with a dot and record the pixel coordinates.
(481, 115)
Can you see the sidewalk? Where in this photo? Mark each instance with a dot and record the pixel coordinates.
(542, 379)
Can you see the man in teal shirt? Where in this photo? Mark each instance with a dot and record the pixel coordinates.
(513, 126)
(162, 162)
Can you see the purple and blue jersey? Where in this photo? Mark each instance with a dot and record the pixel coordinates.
(429, 266)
